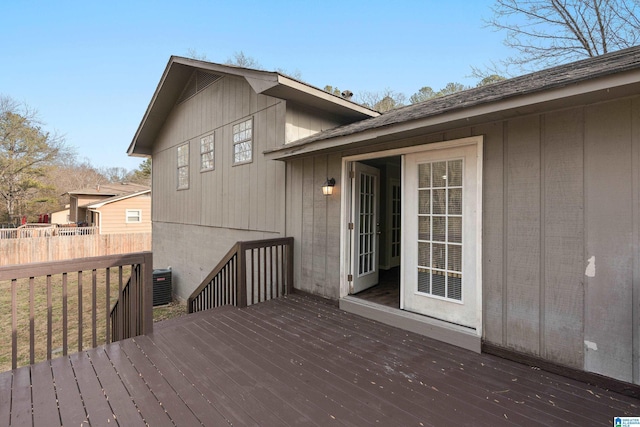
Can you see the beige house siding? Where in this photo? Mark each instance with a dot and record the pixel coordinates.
(561, 193)
(60, 217)
(113, 215)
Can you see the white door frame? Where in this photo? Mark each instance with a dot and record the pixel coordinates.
(345, 209)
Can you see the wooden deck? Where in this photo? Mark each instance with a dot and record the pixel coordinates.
(296, 360)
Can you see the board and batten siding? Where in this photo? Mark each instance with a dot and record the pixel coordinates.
(113, 215)
(198, 225)
(303, 121)
(561, 232)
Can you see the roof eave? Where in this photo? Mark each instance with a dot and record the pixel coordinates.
(599, 89)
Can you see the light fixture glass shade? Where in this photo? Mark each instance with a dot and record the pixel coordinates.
(327, 187)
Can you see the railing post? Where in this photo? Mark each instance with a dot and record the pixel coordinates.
(241, 274)
(147, 294)
(289, 248)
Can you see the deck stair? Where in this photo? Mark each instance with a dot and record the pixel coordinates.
(251, 272)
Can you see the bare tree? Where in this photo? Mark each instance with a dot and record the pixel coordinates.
(27, 151)
(551, 32)
(239, 59)
(383, 101)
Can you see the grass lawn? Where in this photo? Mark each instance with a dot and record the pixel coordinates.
(89, 294)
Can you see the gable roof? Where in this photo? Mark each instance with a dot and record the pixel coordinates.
(101, 203)
(180, 70)
(604, 77)
(109, 189)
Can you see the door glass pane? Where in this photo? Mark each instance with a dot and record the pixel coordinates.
(367, 227)
(440, 228)
(454, 177)
(440, 202)
(455, 201)
(439, 174)
(424, 228)
(424, 201)
(424, 274)
(454, 232)
(424, 175)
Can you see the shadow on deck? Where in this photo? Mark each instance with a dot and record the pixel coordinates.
(295, 360)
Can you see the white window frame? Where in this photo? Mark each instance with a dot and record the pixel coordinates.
(242, 137)
(207, 153)
(131, 213)
(183, 166)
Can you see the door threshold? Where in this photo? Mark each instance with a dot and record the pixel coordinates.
(423, 325)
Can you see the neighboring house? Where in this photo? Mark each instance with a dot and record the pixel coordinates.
(512, 210)
(113, 208)
(61, 217)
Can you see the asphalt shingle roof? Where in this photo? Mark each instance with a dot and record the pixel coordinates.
(556, 77)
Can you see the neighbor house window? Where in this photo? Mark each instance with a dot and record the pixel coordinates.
(242, 138)
(207, 161)
(134, 215)
(183, 166)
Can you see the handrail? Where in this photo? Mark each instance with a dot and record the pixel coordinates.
(250, 272)
(28, 284)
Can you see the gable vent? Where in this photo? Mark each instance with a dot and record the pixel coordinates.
(199, 80)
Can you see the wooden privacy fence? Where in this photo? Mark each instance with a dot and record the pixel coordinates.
(57, 307)
(249, 273)
(66, 247)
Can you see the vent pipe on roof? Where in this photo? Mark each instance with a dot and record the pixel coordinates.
(347, 94)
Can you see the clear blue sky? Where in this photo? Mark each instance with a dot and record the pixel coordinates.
(90, 68)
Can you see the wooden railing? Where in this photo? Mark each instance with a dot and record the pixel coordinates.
(56, 307)
(24, 232)
(126, 316)
(249, 273)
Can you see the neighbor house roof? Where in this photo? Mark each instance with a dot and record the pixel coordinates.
(110, 189)
(180, 70)
(604, 77)
(101, 203)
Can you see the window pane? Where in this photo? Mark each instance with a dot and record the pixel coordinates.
(454, 261)
(424, 255)
(439, 202)
(424, 228)
(454, 177)
(242, 141)
(439, 229)
(454, 287)
(455, 201)
(424, 202)
(440, 174)
(438, 283)
(439, 256)
(455, 229)
(424, 175)
(423, 280)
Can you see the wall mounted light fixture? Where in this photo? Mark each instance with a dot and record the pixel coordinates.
(327, 187)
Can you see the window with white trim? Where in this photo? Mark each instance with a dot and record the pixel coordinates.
(133, 216)
(207, 159)
(183, 166)
(242, 142)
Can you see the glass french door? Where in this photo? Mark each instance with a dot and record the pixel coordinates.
(440, 239)
(365, 234)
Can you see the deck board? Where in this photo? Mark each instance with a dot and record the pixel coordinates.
(5, 398)
(295, 361)
(45, 406)
(452, 373)
(70, 405)
(147, 404)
